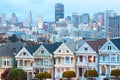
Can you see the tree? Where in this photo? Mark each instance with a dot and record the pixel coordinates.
(17, 74)
(116, 73)
(5, 73)
(13, 38)
(69, 74)
(43, 75)
(90, 74)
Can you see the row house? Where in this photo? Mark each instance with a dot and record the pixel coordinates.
(86, 56)
(102, 55)
(109, 56)
(7, 55)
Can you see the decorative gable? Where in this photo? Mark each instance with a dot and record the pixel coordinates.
(62, 49)
(85, 48)
(41, 51)
(23, 53)
(109, 46)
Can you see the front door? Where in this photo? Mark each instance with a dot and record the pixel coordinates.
(80, 71)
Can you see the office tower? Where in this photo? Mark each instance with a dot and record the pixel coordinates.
(68, 19)
(39, 22)
(30, 17)
(107, 15)
(99, 18)
(3, 17)
(75, 19)
(13, 19)
(59, 11)
(114, 26)
(84, 18)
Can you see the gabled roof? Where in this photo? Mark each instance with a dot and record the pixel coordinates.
(32, 48)
(6, 51)
(116, 42)
(52, 47)
(95, 44)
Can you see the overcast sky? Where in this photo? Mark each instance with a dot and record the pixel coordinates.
(45, 8)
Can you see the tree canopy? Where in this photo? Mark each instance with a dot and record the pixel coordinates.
(17, 74)
(13, 38)
(115, 72)
(43, 75)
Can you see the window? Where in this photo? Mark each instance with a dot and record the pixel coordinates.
(85, 48)
(46, 61)
(89, 58)
(81, 58)
(59, 60)
(42, 51)
(71, 60)
(63, 50)
(67, 60)
(113, 57)
(109, 47)
(6, 62)
(118, 58)
(21, 62)
(103, 57)
(94, 59)
(24, 53)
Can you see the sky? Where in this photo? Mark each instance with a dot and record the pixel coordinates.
(46, 8)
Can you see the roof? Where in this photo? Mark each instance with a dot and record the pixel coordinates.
(6, 51)
(10, 48)
(32, 48)
(116, 42)
(95, 44)
(52, 47)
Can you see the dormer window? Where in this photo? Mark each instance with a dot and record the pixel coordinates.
(24, 53)
(42, 51)
(109, 47)
(63, 50)
(85, 48)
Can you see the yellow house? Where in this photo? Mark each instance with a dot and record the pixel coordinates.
(64, 58)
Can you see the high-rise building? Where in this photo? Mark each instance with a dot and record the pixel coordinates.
(99, 18)
(84, 18)
(39, 22)
(75, 19)
(59, 11)
(114, 26)
(3, 17)
(30, 17)
(13, 19)
(107, 15)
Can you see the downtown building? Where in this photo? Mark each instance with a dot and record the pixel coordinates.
(59, 11)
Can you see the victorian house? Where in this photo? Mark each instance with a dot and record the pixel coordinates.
(109, 57)
(86, 56)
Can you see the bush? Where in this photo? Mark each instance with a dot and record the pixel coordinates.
(90, 73)
(106, 79)
(115, 72)
(43, 75)
(69, 74)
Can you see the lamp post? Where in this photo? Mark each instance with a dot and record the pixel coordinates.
(53, 63)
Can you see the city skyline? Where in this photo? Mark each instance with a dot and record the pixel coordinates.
(46, 8)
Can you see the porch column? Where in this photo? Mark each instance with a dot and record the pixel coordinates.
(23, 63)
(116, 57)
(78, 59)
(110, 57)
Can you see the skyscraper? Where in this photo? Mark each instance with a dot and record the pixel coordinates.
(13, 19)
(114, 26)
(59, 11)
(75, 19)
(84, 18)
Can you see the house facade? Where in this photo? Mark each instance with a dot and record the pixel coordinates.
(109, 57)
(86, 56)
(64, 59)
